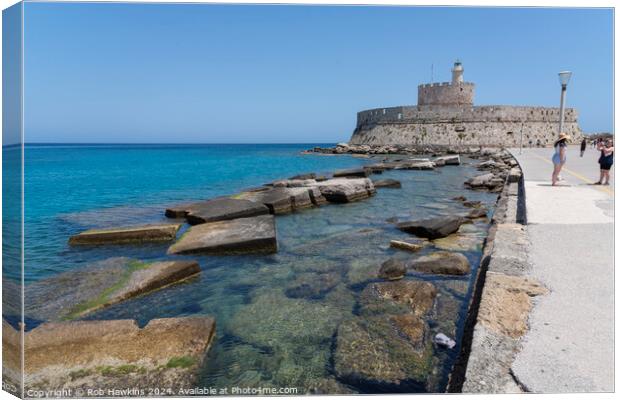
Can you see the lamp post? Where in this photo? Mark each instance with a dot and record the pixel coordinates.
(564, 78)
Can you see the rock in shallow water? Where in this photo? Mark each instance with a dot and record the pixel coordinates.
(397, 297)
(238, 236)
(356, 172)
(343, 190)
(387, 183)
(432, 228)
(442, 262)
(409, 246)
(283, 200)
(220, 209)
(133, 234)
(75, 293)
(166, 353)
(312, 286)
(392, 269)
(373, 353)
(280, 323)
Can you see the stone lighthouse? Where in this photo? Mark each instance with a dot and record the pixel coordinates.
(457, 73)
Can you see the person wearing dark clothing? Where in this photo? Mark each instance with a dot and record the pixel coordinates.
(606, 160)
(583, 147)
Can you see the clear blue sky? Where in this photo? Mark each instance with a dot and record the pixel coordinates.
(228, 74)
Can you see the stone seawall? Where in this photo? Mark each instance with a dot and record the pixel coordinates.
(501, 302)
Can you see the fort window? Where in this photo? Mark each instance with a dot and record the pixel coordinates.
(384, 111)
(509, 133)
(400, 116)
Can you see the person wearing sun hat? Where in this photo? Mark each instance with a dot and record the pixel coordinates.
(559, 156)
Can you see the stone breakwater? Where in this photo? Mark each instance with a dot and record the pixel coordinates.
(387, 344)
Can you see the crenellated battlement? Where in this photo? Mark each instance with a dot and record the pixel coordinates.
(435, 84)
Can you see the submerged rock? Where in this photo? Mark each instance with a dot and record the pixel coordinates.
(432, 228)
(442, 262)
(310, 175)
(461, 241)
(219, 209)
(387, 183)
(275, 321)
(76, 293)
(166, 353)
(472, 204)
(312, 286)
(392, 269)
(371, 352)
(238, 236)
(477, 213)
(398, 297)
(134, 234)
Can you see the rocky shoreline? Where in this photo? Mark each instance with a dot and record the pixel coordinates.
(393, 312)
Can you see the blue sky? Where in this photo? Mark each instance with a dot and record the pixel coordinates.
(230, 74)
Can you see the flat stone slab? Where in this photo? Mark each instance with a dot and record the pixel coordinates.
(133, 234)
(73, 294)
(432, 228)
(387, 183)
(237, 236)
(404, 245)
(284, 200)
(449, 160)
(345, 190)
(167, 353)
(356, 172)
(220, 209)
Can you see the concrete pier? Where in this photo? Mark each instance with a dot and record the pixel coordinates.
(570, 344)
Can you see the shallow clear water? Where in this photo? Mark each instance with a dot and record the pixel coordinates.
(264, 338)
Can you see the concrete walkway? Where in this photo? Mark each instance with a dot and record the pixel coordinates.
(570, 344)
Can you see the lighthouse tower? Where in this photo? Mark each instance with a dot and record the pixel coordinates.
(457, 73)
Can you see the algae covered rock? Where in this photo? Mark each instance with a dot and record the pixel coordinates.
(273, 320)
(397, 297)
(167, 353)
(75, 293)
(373, 353)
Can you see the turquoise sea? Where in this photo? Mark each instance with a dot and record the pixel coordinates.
(262, 335)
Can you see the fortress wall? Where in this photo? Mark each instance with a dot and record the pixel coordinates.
(483, 133)
(434, 113)
(446, 93)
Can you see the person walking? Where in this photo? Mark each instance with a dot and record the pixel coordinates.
(606, 160)
(559, 157)
(583, 147)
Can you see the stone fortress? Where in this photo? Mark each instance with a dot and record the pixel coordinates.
(446, 115)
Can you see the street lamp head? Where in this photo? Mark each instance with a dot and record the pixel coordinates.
(564, 77)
